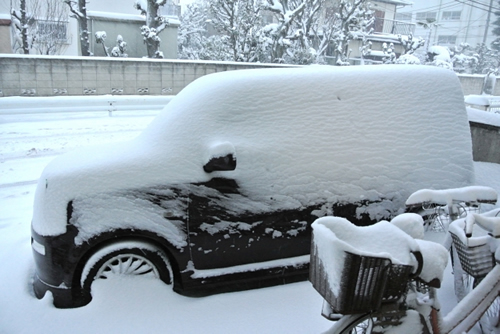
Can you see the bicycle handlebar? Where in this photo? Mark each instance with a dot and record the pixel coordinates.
(420, 261)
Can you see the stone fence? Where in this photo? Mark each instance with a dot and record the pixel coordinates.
(22, 75)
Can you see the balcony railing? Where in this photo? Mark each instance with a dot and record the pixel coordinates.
(386, 26)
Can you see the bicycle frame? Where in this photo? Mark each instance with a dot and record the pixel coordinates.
(470, 309)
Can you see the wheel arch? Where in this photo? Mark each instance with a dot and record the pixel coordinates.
(174, 255)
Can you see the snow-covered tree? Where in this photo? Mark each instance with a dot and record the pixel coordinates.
(120, 48)
(192, 30)
(78, 9)
(100, 38)
(495, 45)
(410, 44)
(239, 21)
(439, 56)
(478, 60)
(40, 26)
(487, 59)
(354, 19)
(278, 34)
(155, 24)
(300, 32)
(302, 47)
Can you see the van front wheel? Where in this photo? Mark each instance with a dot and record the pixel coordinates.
(130, 258)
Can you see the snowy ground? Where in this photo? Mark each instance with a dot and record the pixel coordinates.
(27, 144)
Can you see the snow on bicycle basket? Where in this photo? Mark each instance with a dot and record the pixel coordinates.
(356, 268)
(474, 251)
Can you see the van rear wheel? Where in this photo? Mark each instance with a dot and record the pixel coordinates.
(127, 258)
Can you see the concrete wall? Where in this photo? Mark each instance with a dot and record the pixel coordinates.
(51, 75)
(473, 84)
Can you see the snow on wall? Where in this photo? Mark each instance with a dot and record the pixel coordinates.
(314, 135)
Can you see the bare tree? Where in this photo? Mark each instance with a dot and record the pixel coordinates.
(22, 21)
(41, 25)
(155, 24)
(79, 10)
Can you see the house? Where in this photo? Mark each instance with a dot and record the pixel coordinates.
(449, 23)
(59, 33)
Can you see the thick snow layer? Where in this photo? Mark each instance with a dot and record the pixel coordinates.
(479, 237)
(447, 196)
(435, 255)
(333, 236)
(483, 100)
(484, 117)
(490, 224)
(314, 135)
(435, 260)
(411, 223)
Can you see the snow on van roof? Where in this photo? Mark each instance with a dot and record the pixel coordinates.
(301, 136)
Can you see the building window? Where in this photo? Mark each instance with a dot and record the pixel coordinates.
(451, 15)
(52, 31)
(171, 10)
(447, 40)
(403, 17)
(425, 16)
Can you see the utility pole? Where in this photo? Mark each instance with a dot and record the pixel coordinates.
(487, 22)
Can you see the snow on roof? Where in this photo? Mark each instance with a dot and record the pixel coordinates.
(116, 16)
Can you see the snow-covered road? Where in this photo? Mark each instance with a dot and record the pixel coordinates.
(27, 144)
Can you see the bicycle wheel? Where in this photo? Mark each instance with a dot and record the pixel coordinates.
(411, 323)
(353, 324)
(464, 283)
(490, 321)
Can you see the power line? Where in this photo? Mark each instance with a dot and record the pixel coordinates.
(480, 4)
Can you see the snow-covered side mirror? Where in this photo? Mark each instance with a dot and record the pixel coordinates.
(221, 157)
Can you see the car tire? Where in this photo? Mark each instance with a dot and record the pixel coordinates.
(131, 258)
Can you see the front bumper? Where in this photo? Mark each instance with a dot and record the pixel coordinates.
(56, 260)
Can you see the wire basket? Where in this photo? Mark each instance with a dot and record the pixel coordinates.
(476, 261)
(365, 283)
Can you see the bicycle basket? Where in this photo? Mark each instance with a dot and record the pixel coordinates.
(476, 261)
(365, 282)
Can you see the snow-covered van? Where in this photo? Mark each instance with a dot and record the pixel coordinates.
(220, 191)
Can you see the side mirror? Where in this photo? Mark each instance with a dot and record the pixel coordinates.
(227, 162)
(221, 157)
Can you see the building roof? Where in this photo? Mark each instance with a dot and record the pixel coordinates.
(397, 2)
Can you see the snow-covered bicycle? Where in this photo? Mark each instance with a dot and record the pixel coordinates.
(380, 279)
